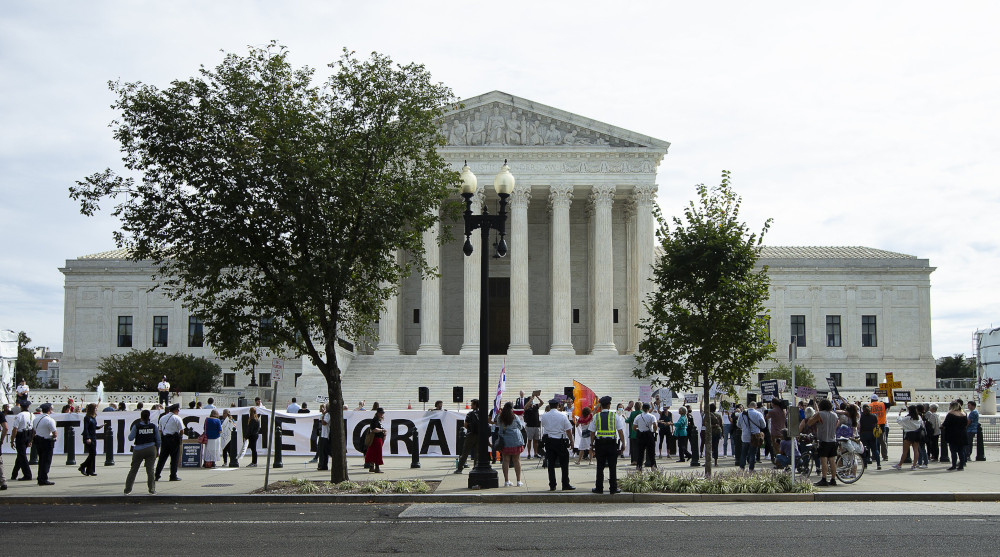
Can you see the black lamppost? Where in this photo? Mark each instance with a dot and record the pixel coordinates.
(482, 475)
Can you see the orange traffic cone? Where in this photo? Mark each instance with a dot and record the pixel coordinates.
(409, 406)
(466, 405)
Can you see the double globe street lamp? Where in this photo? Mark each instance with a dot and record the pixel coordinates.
(482, 475)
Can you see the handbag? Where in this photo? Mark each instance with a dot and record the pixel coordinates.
(756, 439)
(203, 439)
(369, 438)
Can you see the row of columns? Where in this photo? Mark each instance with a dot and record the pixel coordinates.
(640, 231)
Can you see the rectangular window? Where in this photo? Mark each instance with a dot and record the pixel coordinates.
(869, 331)
(838, 379)
(416, 315)
(615, 316)
(124, 331)
(159, 331)
(196, 332)
(798, 326)
(761, 377)
(576, 315)
(265, 380)
(228, 379)
(871, 380)
(833, 330)
(266, 330)
(766, 319)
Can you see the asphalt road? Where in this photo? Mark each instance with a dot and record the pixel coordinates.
(311, 529)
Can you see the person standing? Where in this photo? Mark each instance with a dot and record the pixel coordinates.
(323, 442)
(607, 430)
(881, 414)
(971, 430)
(22, 392)
(213, 444)
(252, 433)
(90, 427)
(953, 430)
(45, 438)
(163, 388)
(681, 432)
(532, 425)
(171, 429)
(727, 433)
(934, 434)
(509, 429)
(471, 436)
(3, 437)
(644, 444)
(826, 421)
(21, 436)
(778, 422)
(633, 448)
(666, 423)
(557, 433)
(752, 422)
(866, 431)
(228, 440)
(373, 454)
(146, 441)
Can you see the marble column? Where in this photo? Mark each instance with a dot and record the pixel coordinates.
(850, 334)
(518, 248)
(472, 291)
(560, 197)
(884, 325)
(602, 197)
(644, 196)
(388, 325)
(430, 296)
(632, 279)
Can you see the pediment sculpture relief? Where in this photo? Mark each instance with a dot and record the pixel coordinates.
(500, 124)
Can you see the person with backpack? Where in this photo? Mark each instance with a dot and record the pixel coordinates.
(869, 432)
(751, 424)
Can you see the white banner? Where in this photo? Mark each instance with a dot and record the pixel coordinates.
(437, 430)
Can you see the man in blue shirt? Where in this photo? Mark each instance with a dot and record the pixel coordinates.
(146, 436)
(972, 430)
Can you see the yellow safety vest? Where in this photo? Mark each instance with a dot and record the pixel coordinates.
(607, 425)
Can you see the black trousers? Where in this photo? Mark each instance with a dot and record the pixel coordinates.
(169, 448)
(606, 451)
(21, 461)
(646, 449)
(468, 448)
(253, 448)
(44, 457)
(164, 398)
(557, 453)
(323, 453)
(89, 465)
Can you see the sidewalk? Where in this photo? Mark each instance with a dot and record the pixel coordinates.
(977, 482)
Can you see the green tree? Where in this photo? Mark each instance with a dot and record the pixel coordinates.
(705, 321)
(956, 366)
(263, 195)
(26, 366)
(803, 377)
(141, 371)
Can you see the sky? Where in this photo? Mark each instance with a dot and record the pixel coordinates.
(849, 123)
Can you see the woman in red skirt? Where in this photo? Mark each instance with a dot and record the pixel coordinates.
(373, 455)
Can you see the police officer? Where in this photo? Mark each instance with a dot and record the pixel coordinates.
(146, 437)
(607, 430)
(20, 441)
(557, 434)
(171, 428)
(45, 439)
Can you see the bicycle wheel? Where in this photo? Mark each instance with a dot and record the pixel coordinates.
(804, 465)
(850, 466)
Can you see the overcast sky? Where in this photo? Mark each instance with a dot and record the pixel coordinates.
(850, 123)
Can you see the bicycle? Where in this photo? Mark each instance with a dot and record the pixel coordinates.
(850, 464)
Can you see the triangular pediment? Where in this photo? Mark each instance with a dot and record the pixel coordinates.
(500, 119)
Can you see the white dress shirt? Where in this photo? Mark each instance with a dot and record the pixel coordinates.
(644, 422)
(555, 424)
(45, 427)
(171, 425)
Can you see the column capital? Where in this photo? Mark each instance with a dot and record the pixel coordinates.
(520, 196)
(560, 196)
(644, 194)
(602, 195)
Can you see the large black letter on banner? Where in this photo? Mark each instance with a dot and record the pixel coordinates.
(358, 436)
(395, 437)
(438, 438)
(281, 422)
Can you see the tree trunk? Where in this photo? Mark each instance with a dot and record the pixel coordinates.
(338, 430)
(707, 419)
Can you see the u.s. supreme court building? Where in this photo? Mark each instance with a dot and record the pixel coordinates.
(564, 301)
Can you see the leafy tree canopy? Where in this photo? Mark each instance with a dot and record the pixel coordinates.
(706, 313)
(141, 371)
(265, 198)
(26, 366)
(803, 377)
(956, 366)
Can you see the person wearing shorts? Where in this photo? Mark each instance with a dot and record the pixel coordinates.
(826, 434)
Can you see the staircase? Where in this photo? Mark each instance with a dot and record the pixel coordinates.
(393, 380)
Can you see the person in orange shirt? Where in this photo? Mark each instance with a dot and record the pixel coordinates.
(878, 408)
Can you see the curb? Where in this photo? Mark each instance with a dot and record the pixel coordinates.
(463, 498)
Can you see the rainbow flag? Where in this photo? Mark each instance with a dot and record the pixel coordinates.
(583, 397)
